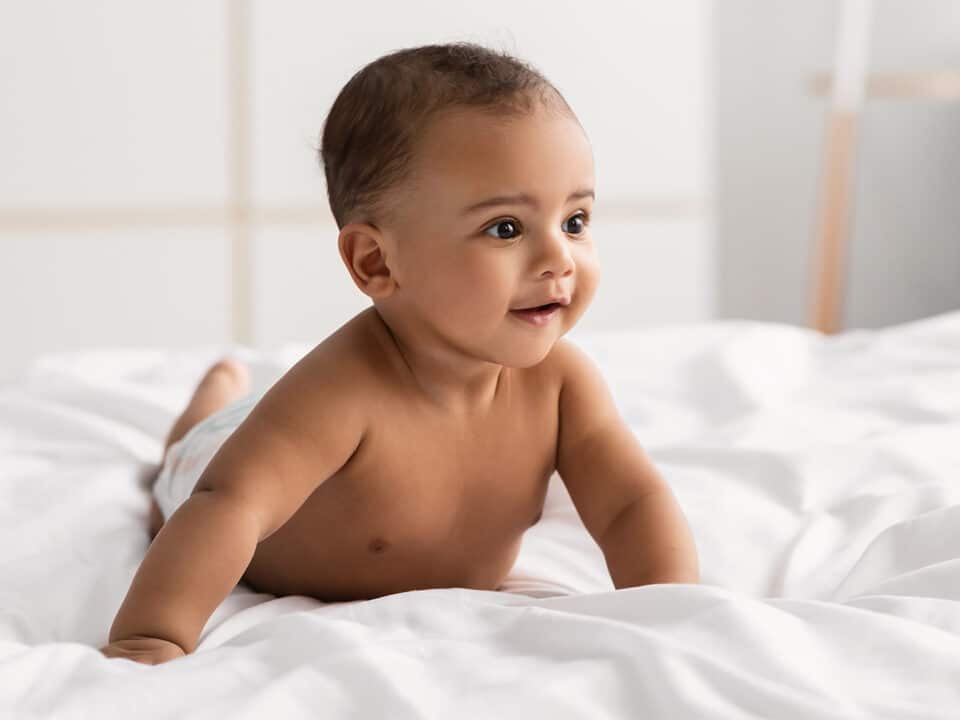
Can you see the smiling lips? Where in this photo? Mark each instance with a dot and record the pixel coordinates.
(539, 315)
(556, 300)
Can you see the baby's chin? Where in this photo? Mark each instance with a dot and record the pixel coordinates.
(522, 358)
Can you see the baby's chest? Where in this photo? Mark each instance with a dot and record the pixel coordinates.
(436, 481)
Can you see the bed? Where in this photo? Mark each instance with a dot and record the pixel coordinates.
(820, 476)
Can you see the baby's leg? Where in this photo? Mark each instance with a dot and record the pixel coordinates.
(226, 380)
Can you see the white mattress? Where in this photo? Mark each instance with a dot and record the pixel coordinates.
(821, 478)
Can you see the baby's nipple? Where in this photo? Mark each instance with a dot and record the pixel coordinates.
(378, 545)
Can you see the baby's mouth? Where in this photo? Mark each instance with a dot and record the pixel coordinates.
(538, 308)
(540, 315)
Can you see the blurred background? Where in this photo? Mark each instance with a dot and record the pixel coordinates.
(159, 185)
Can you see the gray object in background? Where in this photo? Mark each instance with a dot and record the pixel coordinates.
(903, 255)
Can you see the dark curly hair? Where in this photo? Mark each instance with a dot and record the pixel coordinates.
(368, 137)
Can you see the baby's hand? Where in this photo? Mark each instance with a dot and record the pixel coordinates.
(147, 650)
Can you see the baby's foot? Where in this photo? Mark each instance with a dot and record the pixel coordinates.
(225, 381)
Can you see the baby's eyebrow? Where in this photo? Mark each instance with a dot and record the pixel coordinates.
(521, 199)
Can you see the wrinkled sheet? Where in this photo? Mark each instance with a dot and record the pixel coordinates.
(820, 476)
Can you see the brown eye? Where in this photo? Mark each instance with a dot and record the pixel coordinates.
(505, 229)
(580, 221)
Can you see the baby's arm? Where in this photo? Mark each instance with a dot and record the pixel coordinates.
(196, 559)
(302, 431)
(624, 503)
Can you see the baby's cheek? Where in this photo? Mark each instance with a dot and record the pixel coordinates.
(588, 278)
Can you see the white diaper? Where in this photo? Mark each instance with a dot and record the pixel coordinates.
(187, 458)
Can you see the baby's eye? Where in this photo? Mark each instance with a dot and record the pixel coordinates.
(508, 228)
(580, 220)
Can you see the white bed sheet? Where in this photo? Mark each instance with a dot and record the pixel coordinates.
(820, 476)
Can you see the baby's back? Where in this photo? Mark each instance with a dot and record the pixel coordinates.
(427, 498)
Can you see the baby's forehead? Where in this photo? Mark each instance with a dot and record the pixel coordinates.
(454, 124)
(475, 155)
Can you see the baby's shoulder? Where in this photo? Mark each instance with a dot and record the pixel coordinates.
(333, 379)
(571, 372)
(341, 364)
(562, 361)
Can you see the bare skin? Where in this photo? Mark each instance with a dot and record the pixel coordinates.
(412, 448)
(422, 480)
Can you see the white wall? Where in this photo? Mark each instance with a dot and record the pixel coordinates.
(118, 170)
(903, 259)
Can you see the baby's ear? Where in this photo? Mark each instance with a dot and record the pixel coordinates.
(363, 251)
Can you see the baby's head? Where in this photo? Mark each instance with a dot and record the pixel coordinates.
(414, 147)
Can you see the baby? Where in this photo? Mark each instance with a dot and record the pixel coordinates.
(412, 448)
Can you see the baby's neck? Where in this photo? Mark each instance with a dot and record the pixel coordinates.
(441, 374)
